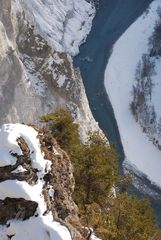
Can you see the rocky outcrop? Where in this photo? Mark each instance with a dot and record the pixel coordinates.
(61, 179)
(36, 184)
(37, 76)
(13, 208)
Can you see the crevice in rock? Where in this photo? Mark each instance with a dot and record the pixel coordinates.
(13, 208)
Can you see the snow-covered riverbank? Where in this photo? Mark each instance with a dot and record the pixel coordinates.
(119, 79)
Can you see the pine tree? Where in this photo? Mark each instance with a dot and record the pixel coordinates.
(62, 126)
(123, 218)
(131, 219)
(96, 170)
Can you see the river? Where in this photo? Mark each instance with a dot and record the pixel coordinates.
(111, 21)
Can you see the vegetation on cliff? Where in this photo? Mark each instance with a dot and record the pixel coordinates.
(100, 191)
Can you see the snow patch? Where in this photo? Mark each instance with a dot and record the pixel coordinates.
(61, 80)
(19, 169)
(33, 77)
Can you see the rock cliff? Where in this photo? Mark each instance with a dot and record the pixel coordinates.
(36, 71)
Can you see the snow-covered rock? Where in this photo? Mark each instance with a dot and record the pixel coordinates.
(120, 77)
(40, 225)
(36, 187)
(64, 23)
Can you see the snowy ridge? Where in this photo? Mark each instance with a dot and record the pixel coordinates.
(40, 226)
(119, 78)
(65, 24)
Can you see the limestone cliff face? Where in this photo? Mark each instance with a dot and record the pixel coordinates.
(36, 74)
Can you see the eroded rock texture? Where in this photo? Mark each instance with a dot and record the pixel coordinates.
(37, 76)
(57, 189)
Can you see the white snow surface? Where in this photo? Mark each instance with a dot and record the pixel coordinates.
(41, 227)
(119, 79)
(93, 237)
(64, 23)
(19, 169)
